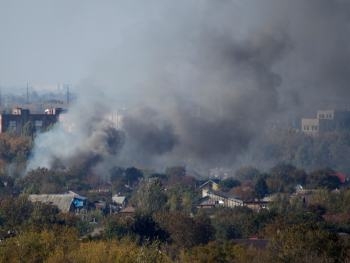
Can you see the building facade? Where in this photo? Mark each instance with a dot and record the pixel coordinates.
(68, 202)
(21, 120)
(326, 121)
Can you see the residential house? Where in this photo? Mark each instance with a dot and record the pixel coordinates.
(68, 202)
(209, 185)
(100, 205)
(119, 200)
(257, 205)
(207, 202)
(224, 199)
(212, 197)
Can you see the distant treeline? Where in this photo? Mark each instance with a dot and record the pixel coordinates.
(330, 150)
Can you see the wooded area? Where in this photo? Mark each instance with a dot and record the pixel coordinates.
(305, 224)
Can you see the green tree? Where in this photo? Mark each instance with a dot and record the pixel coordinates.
(261, 189)
(35, 246)
(234, 223)
(324, 178)
(42, 181)
(184, 231)
(43, 215)
(180, 198)
(212, 252)
(247, 173)
(175, 171)
(306, 243)
(284, 177)
(150, 197)
(133, 175)
(117, 227)
(146, 229)
(229, 183)
(15, 212)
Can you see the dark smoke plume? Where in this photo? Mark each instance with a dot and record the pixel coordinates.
(150, 135)
(212, 76)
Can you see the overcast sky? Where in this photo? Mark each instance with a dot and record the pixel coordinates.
(49, 42)
(240, 63)
(46, 42)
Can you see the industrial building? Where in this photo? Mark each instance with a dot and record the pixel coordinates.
(21, 120)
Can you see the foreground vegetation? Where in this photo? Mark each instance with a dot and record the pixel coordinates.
(167, 226)
(312, 225)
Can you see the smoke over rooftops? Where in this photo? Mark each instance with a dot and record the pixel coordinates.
(205, 77)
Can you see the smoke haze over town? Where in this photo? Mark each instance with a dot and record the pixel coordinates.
(197, 82)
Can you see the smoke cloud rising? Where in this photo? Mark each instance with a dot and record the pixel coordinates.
(197, 81)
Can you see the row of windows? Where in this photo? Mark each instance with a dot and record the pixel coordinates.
(325, 116)
(13, 124)
(310, 128)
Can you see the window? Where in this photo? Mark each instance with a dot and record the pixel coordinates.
(12, 125)
(38, 124)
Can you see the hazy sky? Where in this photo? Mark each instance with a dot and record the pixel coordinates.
(46, 42)
(200, 78)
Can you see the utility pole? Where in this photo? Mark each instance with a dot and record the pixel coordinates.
(0, 97)
(27, 92)
(67, 95)
(117, 120)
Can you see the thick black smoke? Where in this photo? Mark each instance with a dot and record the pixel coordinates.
(151, 135)
(246, 99)
(235, 93)
(317, 72)
(212, 76)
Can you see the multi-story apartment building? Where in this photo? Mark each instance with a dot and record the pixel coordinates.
(326, 121)
(21, 119)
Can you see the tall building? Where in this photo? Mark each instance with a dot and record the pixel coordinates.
(22, 121)
(326, 121)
